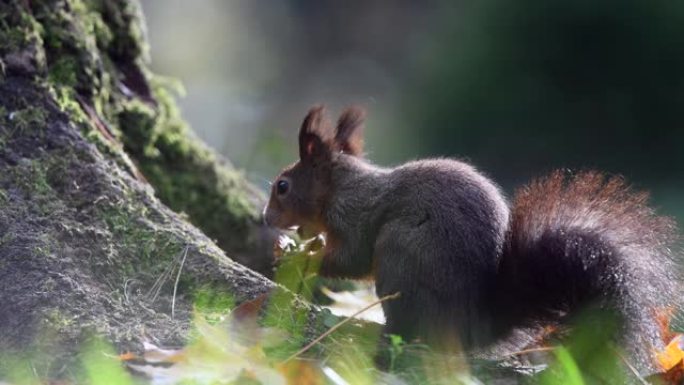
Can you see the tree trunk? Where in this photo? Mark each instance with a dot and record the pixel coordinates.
(91, 57)
(91, 144)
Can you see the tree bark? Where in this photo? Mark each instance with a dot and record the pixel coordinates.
(91, 149)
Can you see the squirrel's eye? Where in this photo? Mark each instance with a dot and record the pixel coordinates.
(282, 186)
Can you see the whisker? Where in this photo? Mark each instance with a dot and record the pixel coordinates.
(260, 180)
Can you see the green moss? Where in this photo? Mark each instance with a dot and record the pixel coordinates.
(18, 369)
(186, 175)
(141, 128)
(101, 366)
(63, 72)
(20, 32)
(125, 23)
(103, 35)
(56, 318)
(30, 118)
(73, 210)
(212, 304)
(72, 35)
(66, 100)
(29, 176)
(12, 39)
(39, 181)
(141, 247)
(29, 181)
(184, 172)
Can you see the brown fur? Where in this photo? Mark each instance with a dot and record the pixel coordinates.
(582, 239)
(349, 135)
(315, 136)
(560, 198)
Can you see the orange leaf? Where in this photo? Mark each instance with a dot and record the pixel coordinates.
(128, 356)
(299, 372)
(674, 376)
(249, 310)
(672, 355)
(664, 317)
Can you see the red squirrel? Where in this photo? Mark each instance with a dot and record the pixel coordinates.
(470, 267)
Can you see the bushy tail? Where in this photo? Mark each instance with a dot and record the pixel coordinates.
(587, 239)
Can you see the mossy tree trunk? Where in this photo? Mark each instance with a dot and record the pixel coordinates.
(92, 151)
(91, 56)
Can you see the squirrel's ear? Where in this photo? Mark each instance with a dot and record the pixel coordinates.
(315, 136)
(349, 136)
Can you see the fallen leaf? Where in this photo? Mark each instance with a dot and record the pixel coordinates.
(298, 372)
(673, 354)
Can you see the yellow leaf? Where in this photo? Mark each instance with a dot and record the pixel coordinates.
(672, 354)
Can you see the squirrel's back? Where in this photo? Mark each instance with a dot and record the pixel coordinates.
(442, 227)
(452, 193)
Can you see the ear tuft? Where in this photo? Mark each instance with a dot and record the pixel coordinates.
(349, 136)
(315, 135)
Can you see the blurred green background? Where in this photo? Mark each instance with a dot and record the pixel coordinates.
(516, 87)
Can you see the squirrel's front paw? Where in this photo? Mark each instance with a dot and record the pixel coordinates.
(315, 245)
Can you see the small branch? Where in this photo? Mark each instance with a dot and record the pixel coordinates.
(531, 350)
(630, 366)
(339, 324)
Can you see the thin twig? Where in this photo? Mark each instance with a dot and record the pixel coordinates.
(175, 286)
(339, 324)
(303, 276)
(154, 291)
(631, 367)
(530, 350)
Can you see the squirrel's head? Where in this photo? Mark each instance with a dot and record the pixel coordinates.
(301, 191)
